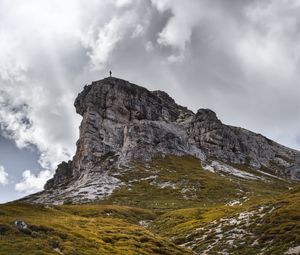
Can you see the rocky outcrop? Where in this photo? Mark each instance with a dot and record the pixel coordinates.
(62, 176)
(123, 122)
(129, 122)
(236, 145)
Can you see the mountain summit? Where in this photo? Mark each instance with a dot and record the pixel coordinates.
(124, 123)
(152, 177)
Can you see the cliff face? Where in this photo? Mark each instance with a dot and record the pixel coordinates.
(129, 122)
(237, 145)
(123, 123)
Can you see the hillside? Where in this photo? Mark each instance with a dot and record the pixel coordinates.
(176, 202)
(82, 230)
(152, 177)
(257, 226)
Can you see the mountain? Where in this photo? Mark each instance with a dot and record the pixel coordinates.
(124, 124)
(152, 177)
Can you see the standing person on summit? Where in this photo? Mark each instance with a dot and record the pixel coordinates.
(110, 73)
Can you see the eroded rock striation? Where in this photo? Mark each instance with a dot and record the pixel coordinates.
(123, 122)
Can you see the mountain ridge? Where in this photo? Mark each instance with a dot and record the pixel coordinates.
(123, 123)
(152, 177)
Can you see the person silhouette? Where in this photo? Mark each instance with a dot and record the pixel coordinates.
(110, 73)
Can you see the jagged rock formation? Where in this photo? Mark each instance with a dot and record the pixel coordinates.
(236, 145)
(123, 122)
(130, 122)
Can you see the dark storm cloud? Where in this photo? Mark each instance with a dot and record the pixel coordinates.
(240, 58)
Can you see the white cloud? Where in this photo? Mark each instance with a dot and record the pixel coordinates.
(32, 183)
(101, 41)
(149, 46)
(33, 86)
(239, 59)
(122, 3)
(28, 125)
(48, 50)
(176, 58)
(3, 176)
(186, 15)
(11, 69)
(37, 83)
(266, 43)
(138, 31)
(101, 45)
(162, 5)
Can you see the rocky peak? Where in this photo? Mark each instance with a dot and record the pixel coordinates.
(123, 123)
(206, 115)
(164, 96)
(133, 123)
(121, 101)
(129, 122)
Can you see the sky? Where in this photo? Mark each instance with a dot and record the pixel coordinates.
(238, 58)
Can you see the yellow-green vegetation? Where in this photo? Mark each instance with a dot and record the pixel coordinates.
(129, 214)
(270, 227)
(180, 182)
(79, 230)
(167, 206)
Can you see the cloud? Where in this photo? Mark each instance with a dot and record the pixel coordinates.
(47, 54)
(27, 126)
(185, 16)
(239, 58)
(103, 43)
(121, 3)
(3, 176)
(271, 43)
(34, 90)
(32, 183)
(41, 74)
(100, 40)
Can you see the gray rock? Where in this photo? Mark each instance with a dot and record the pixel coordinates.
(20, 224)
(123, 122)
(235, 145)
(127, 121)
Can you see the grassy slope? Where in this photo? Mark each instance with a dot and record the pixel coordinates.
(269, 227)
(184, 204)
(188, 185)
(80, 230)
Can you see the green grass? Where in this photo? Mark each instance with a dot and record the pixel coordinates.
(192, 186)
(273, 226)
(80, 230)
(183, 204)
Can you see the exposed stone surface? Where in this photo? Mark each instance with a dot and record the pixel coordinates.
(233, 144)
(130, 122)
(20, 224)
(123, 122)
